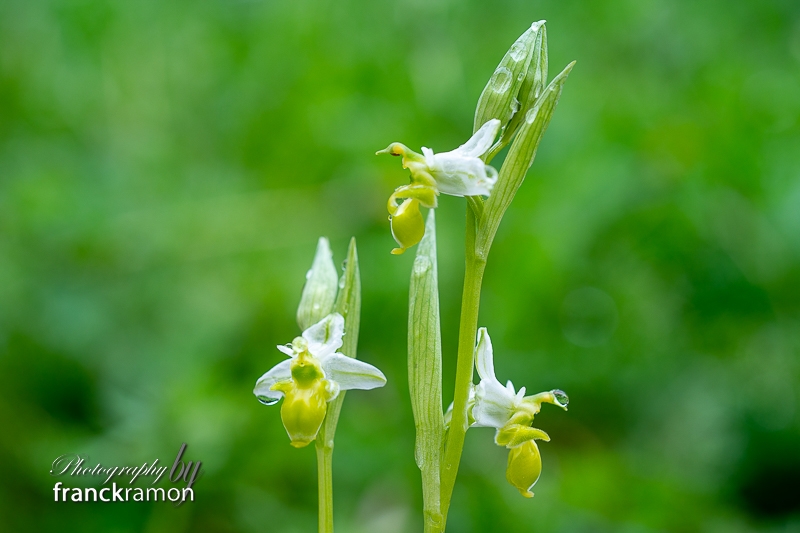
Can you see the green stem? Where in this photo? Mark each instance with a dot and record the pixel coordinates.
(325, 485)
(468, 328)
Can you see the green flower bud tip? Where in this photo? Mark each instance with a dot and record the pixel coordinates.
(319, 292)
(524, 467)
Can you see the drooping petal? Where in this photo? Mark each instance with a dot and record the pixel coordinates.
(481, 140)
(325, 337)
(278, 373)
(351, 373)
(494, 405)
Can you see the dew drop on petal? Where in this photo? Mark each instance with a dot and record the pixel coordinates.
(517, 51)
(308, 274)
(501, 80)
(268, 400)
(530, 116)
(561, 397)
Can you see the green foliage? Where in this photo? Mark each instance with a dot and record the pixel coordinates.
(165, 168)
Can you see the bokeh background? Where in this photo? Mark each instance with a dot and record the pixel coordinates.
(166, 169)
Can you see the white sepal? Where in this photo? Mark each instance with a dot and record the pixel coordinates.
(494, 403)
(462, 172)
(349, 373)
(280, 372)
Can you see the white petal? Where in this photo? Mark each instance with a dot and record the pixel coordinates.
(351, 373)
(481, 140)
(430, 157)
(484, 356)
(287, 350)
(280, 372)
(325, 337)
(458, 175)
(494, 404)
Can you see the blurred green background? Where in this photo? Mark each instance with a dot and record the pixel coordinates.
(166, 169)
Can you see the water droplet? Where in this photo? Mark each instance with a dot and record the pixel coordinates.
(341, 282)
(268, 400)
(421, 265)
(308, 274)
(521, 75)
(517, 51)
(501, 80)
(561, 397)
(530, 116)
(514, 106)
(536, 25)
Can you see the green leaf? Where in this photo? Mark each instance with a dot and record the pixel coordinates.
(425, 370)
(319, 292)
(519, 159)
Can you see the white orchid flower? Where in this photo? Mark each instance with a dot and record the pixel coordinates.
(511, 413)
(313, 376)
(459, 172)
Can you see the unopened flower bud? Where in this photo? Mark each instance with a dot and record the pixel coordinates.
(319, 292)
(499, 98)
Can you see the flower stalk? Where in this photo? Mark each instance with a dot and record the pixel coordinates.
(348, 304)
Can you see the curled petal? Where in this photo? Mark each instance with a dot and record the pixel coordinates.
(426, 194)
(481, 140)
(349, 373)
(282, 372)
(325, 337)
(512, 435)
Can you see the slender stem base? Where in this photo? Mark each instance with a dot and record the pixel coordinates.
(325, 486)
(468, 328)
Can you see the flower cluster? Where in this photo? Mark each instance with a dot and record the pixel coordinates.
(313, 376)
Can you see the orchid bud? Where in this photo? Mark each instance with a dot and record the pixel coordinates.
(319, 292)
(499, 99)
